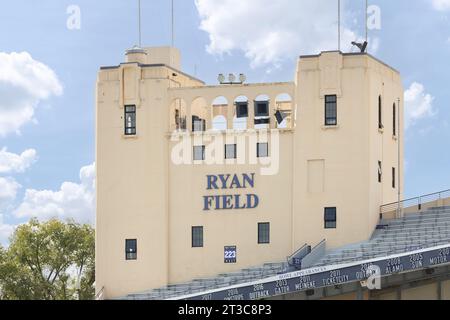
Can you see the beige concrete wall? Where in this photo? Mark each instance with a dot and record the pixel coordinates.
(350, 150)
(142, 194)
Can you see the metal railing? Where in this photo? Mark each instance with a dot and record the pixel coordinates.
(100, 294)
(412, 202)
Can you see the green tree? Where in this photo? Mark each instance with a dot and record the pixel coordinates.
(48, 261)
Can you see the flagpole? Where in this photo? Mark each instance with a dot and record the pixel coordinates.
(139, 15)
(339, 25)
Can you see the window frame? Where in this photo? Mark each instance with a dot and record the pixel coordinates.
(331, 121)
(380, 171)
(126, 127)
(197, 239)
(130, 255)
(242, 105)
(394, 120)
(203, 153)
(262, 114)
(258, 153)
(330, 223)
(263, 234)
(394, 173)
(234, 145)
(380, 113)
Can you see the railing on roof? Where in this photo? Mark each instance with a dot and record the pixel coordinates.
(414, 202)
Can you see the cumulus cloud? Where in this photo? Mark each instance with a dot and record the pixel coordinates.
(6, 230)
(24, 82)
(418, 104)
(269, 31)
(16, 163)
(72, 200)
(8, 191)
(441, 5)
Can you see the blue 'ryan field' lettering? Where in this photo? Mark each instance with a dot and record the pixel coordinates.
(231, 201)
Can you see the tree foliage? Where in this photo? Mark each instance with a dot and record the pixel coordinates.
(48, 261)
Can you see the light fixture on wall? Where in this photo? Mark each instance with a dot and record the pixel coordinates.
(231, 79)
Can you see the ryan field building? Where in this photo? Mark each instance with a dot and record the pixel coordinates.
(194, 180)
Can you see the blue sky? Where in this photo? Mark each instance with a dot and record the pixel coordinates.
(257, 37)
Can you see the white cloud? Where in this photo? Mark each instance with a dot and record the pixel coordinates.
(441, 5)
(418, 104)
(24, 82)
(269, 31)
(6, 230)
(8, 191)
(18, 163)
(73, 200)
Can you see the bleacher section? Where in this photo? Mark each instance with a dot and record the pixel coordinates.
(412, 232)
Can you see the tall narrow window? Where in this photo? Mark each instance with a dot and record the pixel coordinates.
(380, 113)
(130, 120)
(230, 151)
(197, 237)
(394, 120)
(131, 249)
(331, 110)
(263, 233)
(262, 150)
(330, 218)
(393, 178)
(199, 153)
(380, 171)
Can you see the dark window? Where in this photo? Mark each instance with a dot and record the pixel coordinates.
(130, 120)
(131, 249)
(197, 237)
(394, 120)
(262, 150)
(198, 124)
(330, 218)
(263, 233)
(261, 108)
(241, 109)
(331, 110)
(380, 113)
(380, 171)
(199, 153)
(230, 151)
(393, 178)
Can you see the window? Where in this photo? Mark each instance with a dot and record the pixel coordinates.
(394, 120)
(130, 120)
(198, 124)
(230, 151)
(380, 113)
(330, 218)
(241, 110)
(393, 178)
(331, 110)
(197, 237)
(199, 153)
(131, 249)
(263, 233)
(380, 171)
(261, 108)
(262, 150)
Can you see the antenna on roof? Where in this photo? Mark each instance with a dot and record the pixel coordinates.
(139, 22)
(173, 24)
(366, 19)
(339, 25)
